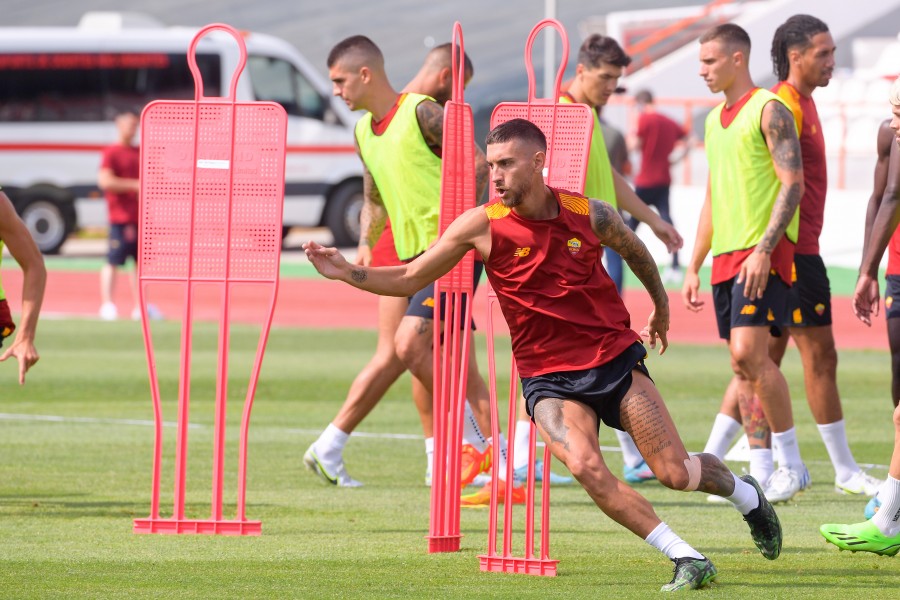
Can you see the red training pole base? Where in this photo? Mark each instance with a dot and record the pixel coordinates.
(443, 543)
(523, 566)
(197, 526)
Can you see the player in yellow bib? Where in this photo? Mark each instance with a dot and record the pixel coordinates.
(399, 141)
(749, 221)
(15, 236)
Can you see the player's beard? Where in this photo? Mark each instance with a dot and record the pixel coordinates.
(513, 198)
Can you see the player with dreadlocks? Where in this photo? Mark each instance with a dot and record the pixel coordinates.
(803, 59)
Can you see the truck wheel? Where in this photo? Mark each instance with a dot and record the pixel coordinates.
(48, 222)
(342, 214)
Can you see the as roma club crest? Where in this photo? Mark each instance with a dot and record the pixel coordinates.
(574, 246)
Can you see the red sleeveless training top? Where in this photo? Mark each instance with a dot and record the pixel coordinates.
(562, 308)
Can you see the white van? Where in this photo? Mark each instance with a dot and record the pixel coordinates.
(61, 87)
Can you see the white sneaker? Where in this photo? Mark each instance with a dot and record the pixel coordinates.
(335, 476)
(785, 483)
(860, 483)
(428, 477)
(109, 312)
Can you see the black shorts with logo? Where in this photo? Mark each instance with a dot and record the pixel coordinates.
(809, 298)
(601, 388)
(892, 297)
(734, 310)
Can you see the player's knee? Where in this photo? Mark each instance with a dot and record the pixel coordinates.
(897, 418)
(825, 361)
(746, 364)
(584, 466)
(411, 348)
(681, 475)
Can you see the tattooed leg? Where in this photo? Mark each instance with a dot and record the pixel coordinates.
(644, 415)
(759, 434)
(569, 429)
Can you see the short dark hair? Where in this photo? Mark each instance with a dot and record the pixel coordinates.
(442, 53)
(358, 45)
(600, 48)
(517, 129)
(730, 34)
(644, 97)
(796, 32)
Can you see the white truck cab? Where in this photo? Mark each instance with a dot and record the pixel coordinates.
(62, 87)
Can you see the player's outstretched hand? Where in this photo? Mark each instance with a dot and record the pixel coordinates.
(327, 261)
(866, 299)
(669, 236)
(656, 329)
(690, 291)
(25, 353)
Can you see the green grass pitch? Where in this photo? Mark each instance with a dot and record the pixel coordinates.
(70, 487)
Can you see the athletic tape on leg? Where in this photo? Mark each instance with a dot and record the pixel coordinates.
(693, 466)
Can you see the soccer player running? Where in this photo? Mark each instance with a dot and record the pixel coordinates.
(881, 533)
(601, 61)
(803, 59)
(542, 251)
(749, 220)
(399, 141)
(15, 236)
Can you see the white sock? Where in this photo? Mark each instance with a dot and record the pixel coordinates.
(520, 447)
(786, 449)
(502, 465)
(667, 541)
(724, 430)
(761, 466)
(630, 453)
(887, 519)
(472, 433)
(429, 454)
(744, 497)
(834, 435)
(330, 445)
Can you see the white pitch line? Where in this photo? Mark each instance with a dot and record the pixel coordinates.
(360, 434)
(59, 419)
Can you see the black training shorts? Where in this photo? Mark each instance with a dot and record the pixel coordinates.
(734, 310)
(602, 388)
(809, 298)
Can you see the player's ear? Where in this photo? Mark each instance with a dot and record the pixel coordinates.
(540, 157)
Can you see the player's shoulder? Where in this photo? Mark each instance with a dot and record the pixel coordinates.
(574, 203)
(494, 210)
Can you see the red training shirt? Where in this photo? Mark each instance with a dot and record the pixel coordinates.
(123, 161)
(562, 308)
(658, 134)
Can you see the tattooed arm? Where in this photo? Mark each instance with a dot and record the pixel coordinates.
(781, 137)
(612, 232)
(431, 122)
(372, 217)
